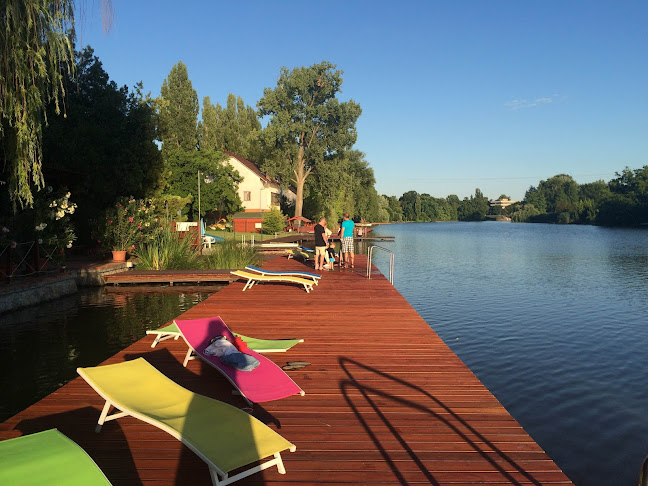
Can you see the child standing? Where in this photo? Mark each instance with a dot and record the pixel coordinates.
(330, 251)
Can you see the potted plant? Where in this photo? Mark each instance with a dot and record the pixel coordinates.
(120, 229)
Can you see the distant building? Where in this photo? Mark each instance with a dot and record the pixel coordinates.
(502, 203)
(258, 191)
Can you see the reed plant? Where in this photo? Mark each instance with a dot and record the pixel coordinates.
(166, 251)
(230, 254)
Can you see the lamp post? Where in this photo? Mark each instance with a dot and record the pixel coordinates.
(208, 180)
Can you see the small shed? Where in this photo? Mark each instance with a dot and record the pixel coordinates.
(247, 222)
(300, 224)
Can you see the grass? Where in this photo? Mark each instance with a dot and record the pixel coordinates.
(167, 252)
(230, 254)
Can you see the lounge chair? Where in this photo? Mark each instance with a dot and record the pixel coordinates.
(302, 253)
(253, 278)
(258, 345)
(265, 383)
(314, 276)
(47, 457)
(223, 436)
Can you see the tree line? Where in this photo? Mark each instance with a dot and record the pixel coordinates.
(623, 201)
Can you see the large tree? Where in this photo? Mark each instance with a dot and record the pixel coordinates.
(105, 146)
(308, 124)
(35, 46)
(235, 128)
(178, 105)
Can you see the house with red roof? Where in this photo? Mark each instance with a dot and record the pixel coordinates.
(258, 191)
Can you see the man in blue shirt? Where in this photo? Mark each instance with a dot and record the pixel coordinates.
(347, 240)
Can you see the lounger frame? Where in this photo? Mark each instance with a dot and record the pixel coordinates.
(219, 477)
(253, 279)
(314, 276)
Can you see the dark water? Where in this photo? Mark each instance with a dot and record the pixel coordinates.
(42, 346)
(553, 320)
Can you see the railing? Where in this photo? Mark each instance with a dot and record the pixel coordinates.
(27, 259)
(391, 262)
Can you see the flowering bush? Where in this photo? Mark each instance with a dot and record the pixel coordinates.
(128, 223)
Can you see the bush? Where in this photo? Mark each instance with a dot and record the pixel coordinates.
(273, 221)
(166, 251)
(230, 254)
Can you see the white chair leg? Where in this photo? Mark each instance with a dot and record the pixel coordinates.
(102, 417)
(280, 466)
(187, 357)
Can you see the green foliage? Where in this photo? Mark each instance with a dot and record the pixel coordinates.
(218, 181)
(229, 254)
(307, 124)
(105, 146)
(473, 209)
(166, 251)
(273, 221)
(522, 212)
(35, 46)
(47, 221)
(178, 110)
(128, 224)
(234, 128)
(627, 204)
(423, 207)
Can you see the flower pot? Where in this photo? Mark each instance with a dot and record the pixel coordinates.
(119, 255)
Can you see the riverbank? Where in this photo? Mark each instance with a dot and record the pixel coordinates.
(27, 291)
(386, 400)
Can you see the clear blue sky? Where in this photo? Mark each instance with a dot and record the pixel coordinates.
(455, 94)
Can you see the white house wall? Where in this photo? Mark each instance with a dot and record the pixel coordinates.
(259, 192)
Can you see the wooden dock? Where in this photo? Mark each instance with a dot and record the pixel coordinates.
(387, 402)
(169, 276)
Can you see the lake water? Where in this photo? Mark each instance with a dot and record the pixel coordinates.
(42, 346)
(553, 320)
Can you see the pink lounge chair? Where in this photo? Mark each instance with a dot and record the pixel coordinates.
(265, 383)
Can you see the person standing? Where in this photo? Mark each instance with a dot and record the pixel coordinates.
(321, 242)
(347, 241)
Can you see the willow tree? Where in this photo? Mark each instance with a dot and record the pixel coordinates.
(308, 124)
(35, 49)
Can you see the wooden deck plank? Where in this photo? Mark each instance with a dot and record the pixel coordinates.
(375, 412)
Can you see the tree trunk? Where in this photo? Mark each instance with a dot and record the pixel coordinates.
(300, 177)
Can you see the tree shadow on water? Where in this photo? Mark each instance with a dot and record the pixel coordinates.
(426, 404)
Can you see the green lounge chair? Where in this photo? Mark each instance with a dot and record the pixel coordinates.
(258, 345)
(47, 457)
(223, 436)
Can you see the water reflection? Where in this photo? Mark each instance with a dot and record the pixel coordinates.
(41, 346)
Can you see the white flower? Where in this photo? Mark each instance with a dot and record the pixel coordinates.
(59, 214)
(69, 245)
(53, 204)
(40, 241)
(41, 227)
(64, 204)
(71, 209)
(67, 196)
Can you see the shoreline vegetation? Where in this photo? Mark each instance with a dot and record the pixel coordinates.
(623, 201)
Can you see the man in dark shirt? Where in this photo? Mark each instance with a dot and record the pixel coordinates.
(321, 242)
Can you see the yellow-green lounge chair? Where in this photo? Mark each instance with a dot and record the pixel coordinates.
(223, 436)
(47, 457)
(253, 278)
(315, 277)
(255, 344)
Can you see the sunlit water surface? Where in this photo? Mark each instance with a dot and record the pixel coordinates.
(553, 320)
(42, 346)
